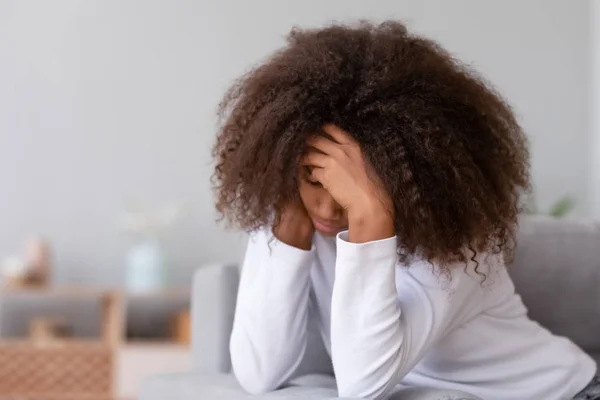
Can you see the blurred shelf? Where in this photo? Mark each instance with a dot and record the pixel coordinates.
(59, 291)
(147, 316)
(174, 292)
(72, 342)
(154, 343)
(88, 291)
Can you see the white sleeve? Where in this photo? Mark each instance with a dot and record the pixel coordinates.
(384, 316)
(268, 339)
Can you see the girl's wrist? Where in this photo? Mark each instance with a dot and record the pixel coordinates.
(370, 223)
(297, 234)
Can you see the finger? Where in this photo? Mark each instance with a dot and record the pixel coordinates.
(338, 134)
(318, 174)
(314, 159)
(324, 145)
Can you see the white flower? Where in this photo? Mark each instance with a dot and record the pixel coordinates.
(13, 267)
(141, 220)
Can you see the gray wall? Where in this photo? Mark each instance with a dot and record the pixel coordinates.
(595, 110)
(101, 100)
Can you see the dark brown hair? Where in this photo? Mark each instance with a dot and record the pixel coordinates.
(444, 142)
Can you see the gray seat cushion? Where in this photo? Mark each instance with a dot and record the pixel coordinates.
(596, 356)
(192, 386)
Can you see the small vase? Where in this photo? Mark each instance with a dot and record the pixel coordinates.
(146, 266)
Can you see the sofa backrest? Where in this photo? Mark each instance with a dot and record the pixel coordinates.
(556, 270)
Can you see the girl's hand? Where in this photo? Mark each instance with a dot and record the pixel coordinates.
(295, 227)
(340, 167)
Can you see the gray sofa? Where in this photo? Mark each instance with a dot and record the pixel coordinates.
(556, 270)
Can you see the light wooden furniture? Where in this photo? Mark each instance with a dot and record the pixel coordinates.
(47, 328)
(137, 361)
(181, 328)
(52, 368)
(109, 367)
(140, 358)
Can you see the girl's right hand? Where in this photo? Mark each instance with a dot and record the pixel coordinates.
(295, 228)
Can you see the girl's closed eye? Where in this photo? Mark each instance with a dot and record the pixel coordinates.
(307, 177)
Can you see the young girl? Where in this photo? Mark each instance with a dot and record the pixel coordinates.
(381, 181)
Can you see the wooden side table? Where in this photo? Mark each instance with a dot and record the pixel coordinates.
(54, 368)
(137, 361)
(109, 367)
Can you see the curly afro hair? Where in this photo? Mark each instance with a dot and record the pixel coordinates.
(444, 142)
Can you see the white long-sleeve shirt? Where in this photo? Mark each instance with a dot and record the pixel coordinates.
(385, 325)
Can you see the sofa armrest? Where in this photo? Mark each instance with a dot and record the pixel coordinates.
(214, 292)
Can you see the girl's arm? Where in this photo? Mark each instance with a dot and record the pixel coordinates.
(383, 321)
(268, 339)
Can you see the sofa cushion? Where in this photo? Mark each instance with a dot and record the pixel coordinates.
(556, 270)
(194, 386)
(596, 356)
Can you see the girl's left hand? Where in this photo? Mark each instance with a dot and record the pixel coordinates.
(340, 167)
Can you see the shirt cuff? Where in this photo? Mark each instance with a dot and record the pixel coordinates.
(285, 255)
(379, 253)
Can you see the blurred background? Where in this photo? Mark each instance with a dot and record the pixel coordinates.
(105, 102)
(108, 116)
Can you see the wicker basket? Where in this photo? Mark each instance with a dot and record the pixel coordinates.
(75, 370)
(62, 369)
